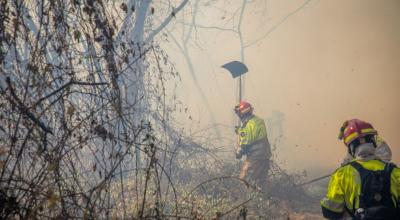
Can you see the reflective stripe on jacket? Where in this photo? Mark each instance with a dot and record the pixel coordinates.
(345, 186)
(252, 130)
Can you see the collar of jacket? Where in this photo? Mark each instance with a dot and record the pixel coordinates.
(246, 119)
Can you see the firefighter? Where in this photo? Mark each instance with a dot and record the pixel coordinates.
(366, 187)
(253, 143)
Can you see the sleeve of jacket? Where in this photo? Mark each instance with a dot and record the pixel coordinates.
(395, 185)
(261, 130)
(333, 203)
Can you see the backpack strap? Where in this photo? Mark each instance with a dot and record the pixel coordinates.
(363, 173)
(389, 168)
(360, 169)
(387, 181)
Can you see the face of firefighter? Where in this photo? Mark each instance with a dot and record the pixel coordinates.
(364, 151)
(361, 143)
(243, 117)
(237, 112)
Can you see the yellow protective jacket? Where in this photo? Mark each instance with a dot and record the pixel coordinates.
(345, 186)
(252, 131)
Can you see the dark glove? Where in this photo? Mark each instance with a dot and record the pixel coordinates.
(244, 149)
(239, 153)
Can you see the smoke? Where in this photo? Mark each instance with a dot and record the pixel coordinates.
(329, 62)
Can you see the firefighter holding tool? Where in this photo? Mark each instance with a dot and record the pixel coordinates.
(253, 143)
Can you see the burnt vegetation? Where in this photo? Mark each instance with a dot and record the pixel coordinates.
(86, 126)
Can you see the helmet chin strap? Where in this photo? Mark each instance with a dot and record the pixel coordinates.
(351, 150)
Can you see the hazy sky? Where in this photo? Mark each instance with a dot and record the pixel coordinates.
(328, 62)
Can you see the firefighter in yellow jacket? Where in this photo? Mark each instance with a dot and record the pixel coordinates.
(366, 187)
(253, 143)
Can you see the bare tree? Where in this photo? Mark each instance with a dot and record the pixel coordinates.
(232, 15)
(80, 83)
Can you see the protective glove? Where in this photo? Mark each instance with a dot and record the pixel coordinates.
(239, 153)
